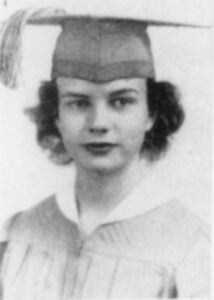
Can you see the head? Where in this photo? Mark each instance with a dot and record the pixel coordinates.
(94, 61)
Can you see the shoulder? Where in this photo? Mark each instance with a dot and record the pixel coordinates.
(184, 230)
(6, 227)
(169, 231)
(173, 220)
(180, 221)
(41, 224)
(180, 225)
(4, 236)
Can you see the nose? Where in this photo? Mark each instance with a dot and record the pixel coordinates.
(99, 122)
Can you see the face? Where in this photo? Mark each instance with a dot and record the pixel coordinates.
(103, 125)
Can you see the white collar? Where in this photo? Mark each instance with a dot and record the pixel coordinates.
(147, 195)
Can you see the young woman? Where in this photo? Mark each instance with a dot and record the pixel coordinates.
(107, 234)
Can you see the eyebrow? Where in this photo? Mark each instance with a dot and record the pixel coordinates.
(75, 95)
(123, 91)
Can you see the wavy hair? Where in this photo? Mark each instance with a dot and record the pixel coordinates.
(164, 107)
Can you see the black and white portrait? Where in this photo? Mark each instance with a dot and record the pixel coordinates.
(105, 149)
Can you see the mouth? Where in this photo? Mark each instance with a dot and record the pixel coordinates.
(99, 148)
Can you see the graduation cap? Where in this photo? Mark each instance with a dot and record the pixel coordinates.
(92, 48)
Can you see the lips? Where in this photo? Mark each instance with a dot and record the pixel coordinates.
(99, 148)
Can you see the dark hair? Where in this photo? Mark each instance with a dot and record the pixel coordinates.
(168, 115)
(164, 107)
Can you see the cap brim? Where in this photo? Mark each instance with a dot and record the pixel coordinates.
(60, 19)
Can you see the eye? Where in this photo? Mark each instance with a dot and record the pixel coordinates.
(122, 102)
(77, 103)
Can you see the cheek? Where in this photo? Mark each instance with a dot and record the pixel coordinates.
(69, 128)
(137, 125)
(134, 131)
(135, 135)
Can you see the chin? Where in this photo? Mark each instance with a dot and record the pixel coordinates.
(102, 166)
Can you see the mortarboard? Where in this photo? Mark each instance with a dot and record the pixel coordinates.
(93, 48)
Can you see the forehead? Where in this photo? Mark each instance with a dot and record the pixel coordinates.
(78, 85)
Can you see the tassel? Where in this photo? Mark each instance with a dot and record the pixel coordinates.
(11, 48)
(11, 43)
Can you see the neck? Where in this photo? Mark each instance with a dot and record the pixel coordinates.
(99, 192)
